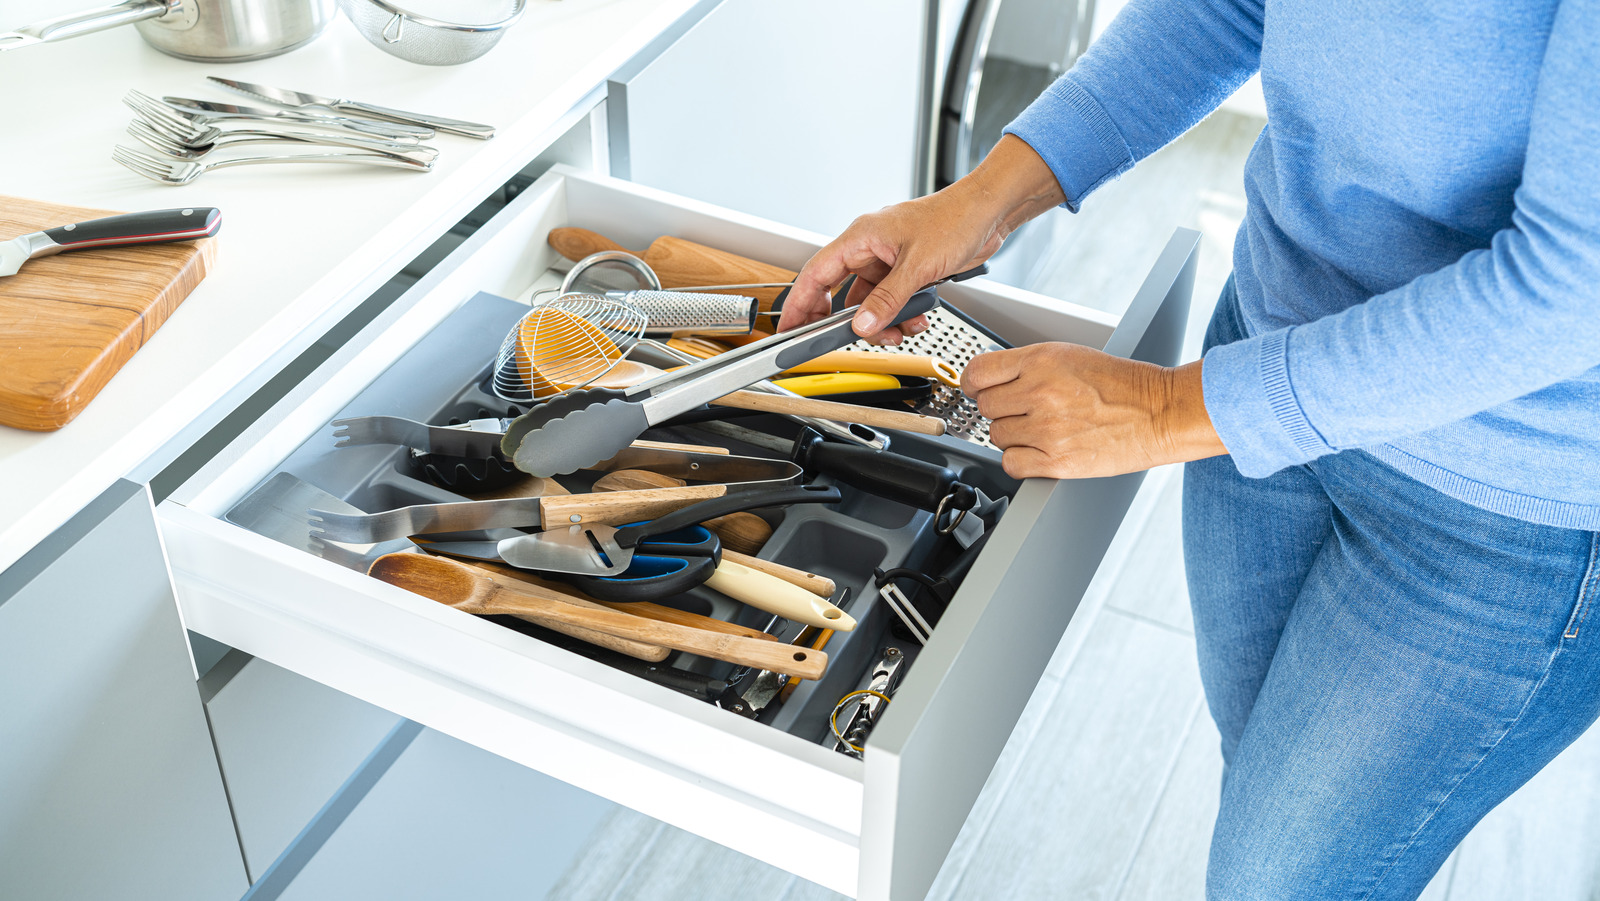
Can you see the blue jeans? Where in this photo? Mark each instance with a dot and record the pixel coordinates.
(1385, 663)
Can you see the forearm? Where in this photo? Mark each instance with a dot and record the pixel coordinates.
(1012, 185)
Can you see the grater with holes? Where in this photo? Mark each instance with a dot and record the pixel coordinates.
(954, 338)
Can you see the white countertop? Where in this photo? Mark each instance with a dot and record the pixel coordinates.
(299, 246)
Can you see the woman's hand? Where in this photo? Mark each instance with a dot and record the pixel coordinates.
(1065, 411)
(898, 250)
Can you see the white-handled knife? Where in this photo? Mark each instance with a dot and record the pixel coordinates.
(153, 227)
(299, 99)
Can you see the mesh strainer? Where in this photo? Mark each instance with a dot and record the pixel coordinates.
(429, 41)
(569, 342)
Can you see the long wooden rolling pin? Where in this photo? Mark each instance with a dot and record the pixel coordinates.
(679, 263)
(466, 589)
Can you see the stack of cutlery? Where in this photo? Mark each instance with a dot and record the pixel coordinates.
(190, 137)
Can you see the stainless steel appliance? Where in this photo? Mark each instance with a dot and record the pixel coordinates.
(991, 58)
(204, 30)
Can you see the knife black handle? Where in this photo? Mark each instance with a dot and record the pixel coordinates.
(883, 474)
(629, 536)
(153, 227)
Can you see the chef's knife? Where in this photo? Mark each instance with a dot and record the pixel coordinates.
(154, 227)
(297, 99)
(394, 130)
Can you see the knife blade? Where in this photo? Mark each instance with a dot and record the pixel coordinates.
(151, 227)
(393, 130)
(298, 99)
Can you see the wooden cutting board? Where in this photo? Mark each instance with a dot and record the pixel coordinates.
(69, 322)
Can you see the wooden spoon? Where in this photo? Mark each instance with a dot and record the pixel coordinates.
(464, 588)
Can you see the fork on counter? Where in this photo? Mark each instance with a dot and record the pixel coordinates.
(181, 172)
(194, 145)
(159, 111)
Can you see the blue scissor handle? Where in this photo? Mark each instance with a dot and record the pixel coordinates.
(662, 566)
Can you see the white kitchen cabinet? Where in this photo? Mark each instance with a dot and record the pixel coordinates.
(802, 111)
(108, 784)
(877, 828)
(286, 744)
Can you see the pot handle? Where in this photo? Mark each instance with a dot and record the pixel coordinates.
(87, 22)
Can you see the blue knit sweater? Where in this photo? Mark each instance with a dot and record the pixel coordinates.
(1419, 266)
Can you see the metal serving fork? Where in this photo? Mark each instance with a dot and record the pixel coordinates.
(159, 111)
(196, 145)
(181, 172)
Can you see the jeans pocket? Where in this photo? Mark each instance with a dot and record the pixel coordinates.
(1586, 591)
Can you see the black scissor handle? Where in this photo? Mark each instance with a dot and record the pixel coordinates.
(629, 536)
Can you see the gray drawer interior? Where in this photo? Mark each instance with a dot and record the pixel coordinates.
(444, 379)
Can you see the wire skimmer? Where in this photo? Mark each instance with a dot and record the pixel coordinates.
(569, 342)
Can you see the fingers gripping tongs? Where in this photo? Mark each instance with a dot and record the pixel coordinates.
(577, 430)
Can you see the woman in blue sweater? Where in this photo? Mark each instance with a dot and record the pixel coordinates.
(1392, 497)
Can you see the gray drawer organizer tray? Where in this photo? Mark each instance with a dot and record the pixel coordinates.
(443, 379)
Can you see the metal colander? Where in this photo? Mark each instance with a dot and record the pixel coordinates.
(428, 41)
(572, 341)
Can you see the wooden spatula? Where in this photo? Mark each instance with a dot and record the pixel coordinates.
(460, 586)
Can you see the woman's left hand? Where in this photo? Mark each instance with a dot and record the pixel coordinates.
(1065, 411)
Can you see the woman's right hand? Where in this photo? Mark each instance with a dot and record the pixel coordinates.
(900, 249)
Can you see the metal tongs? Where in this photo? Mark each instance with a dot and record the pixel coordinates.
(577, 430)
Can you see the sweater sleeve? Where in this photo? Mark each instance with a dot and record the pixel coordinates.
(1160, 67)
(1497, 324)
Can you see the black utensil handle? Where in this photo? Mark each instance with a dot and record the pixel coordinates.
(841, 335)
(881, 473)
(153, 227)
(628, 536)
(684, 573)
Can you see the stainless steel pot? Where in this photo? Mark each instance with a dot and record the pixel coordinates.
(204, 30)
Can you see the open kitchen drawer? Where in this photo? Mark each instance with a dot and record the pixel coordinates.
(876, 828)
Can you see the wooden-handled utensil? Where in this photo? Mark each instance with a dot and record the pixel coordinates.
(899, 420)
(460, 586)
(552, 512)
(744, 529)
(680, 264)
(640, 650)
(564, 592)
(744, 532)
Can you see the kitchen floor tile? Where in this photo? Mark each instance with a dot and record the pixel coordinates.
(1070, 823)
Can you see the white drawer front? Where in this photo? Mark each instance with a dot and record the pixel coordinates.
(878, 828)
